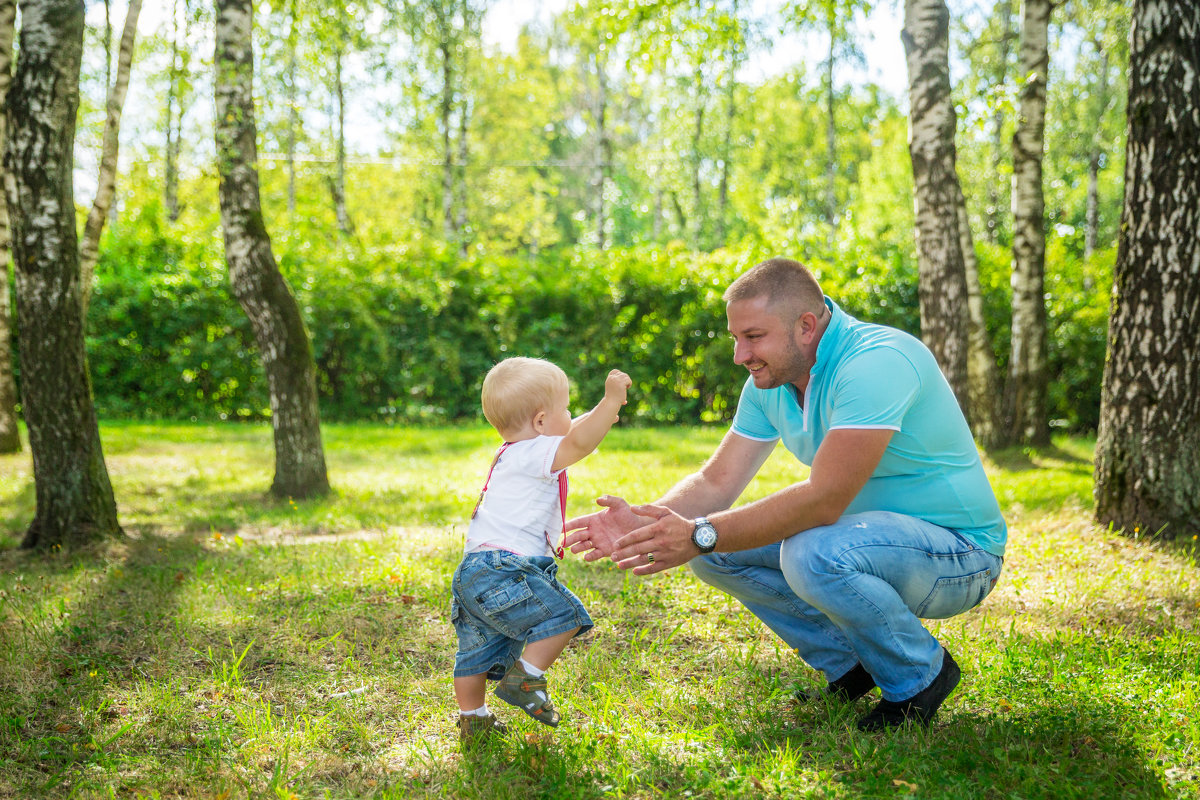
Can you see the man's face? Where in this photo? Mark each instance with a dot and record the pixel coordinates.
(765, 344)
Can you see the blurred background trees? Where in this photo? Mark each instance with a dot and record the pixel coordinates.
(440, 195)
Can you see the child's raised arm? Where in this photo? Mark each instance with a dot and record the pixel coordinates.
(588, 430)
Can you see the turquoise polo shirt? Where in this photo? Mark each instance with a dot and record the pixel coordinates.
(874, 377)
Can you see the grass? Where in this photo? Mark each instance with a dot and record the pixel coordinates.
(233, 646)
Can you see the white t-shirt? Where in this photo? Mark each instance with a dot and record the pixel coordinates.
(520, 508)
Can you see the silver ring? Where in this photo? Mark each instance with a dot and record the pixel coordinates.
(649, 558)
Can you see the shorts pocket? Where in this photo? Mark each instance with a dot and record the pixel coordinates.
(952, 596)
(512, 607)
(469, 635)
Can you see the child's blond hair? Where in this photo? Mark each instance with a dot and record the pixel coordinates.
(517, 388)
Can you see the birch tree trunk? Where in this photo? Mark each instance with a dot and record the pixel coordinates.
(982, 374)
(75, 501)
(446, 105)
(10, 434)
(831, 209)
(174, 126)
(697, 160)
(602, 150)
(1148, 450)
(1027, 364)
(106, 185)
(293, 109)
(1092, 219)
(942, 282)
(339, 179)
(1004, 9)
(254, 276)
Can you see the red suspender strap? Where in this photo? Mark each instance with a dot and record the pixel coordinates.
(488, 479)
(562, 507)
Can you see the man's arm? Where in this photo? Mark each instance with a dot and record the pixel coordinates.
(841, 467)
(714, 487)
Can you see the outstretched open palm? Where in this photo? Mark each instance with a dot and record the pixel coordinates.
(595, 535)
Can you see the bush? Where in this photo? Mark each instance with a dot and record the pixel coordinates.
(406, 332)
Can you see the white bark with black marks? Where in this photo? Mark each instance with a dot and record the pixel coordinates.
(283, 342)
(10, 434)
(106, 184)
(942, 282)
(75, 502)
(1028, 404)
(1148, 448)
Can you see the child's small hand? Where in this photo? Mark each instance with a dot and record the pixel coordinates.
(616, 385)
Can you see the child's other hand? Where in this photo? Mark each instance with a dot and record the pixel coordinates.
(616, 385)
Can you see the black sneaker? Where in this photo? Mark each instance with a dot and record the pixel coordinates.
(921, 706)
(846, 689)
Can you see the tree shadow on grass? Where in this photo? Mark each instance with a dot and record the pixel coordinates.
(78, 652)
(1026, 458)
(1077, 747)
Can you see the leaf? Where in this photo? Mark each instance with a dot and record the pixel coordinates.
(908, 787)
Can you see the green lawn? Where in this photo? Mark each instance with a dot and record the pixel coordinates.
(238, 647)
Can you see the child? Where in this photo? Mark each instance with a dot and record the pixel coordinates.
(508, 608)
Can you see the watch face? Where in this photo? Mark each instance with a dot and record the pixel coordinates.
(705, 536)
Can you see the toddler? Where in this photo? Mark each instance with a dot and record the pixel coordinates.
(511, 614)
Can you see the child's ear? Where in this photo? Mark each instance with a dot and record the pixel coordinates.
(539, 421)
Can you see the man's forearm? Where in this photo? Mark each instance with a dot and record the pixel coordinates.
(695, 496)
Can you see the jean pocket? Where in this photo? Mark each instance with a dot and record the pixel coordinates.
(952, 596)
(512, 607)
(469, 634)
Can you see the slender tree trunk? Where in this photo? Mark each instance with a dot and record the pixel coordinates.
(942, 284)
(602, 150)
(697, 159)
(75, 501)
(254, 276)
(1027, 364)
(174, 116)
(1148, 450)
(462, 223)
(995, 202)
(106, 186)
(293, 109)
(446, 48)
(339, 180)
(831, 209)
(1092, 220)
(10, 434)
(982, 373)
(727, 146)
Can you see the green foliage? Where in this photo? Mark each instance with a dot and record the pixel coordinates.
(406, 331)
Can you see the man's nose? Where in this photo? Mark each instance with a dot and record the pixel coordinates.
(741, 353)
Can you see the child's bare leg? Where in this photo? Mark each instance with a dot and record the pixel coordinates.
(543, 652)
(470, 691)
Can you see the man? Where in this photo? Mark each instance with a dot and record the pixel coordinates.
(896, 521)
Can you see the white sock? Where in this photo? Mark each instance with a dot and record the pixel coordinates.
(482, 711)
(533, 671)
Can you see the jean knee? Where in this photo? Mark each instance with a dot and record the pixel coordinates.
(710, 568)
(801, 558)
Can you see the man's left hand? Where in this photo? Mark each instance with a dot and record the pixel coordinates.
(663, 544)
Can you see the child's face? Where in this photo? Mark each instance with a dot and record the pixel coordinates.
(558, 417)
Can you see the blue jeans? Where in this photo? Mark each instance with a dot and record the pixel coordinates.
(856, 591)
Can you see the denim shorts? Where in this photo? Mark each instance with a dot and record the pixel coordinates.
(501, 601)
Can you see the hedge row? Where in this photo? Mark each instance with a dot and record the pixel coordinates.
(407, 336)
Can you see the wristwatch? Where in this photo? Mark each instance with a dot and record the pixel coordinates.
(704, 535)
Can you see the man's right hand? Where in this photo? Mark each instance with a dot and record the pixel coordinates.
(595, 535)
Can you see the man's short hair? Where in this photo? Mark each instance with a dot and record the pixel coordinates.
(517, 388)
(784, 281)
